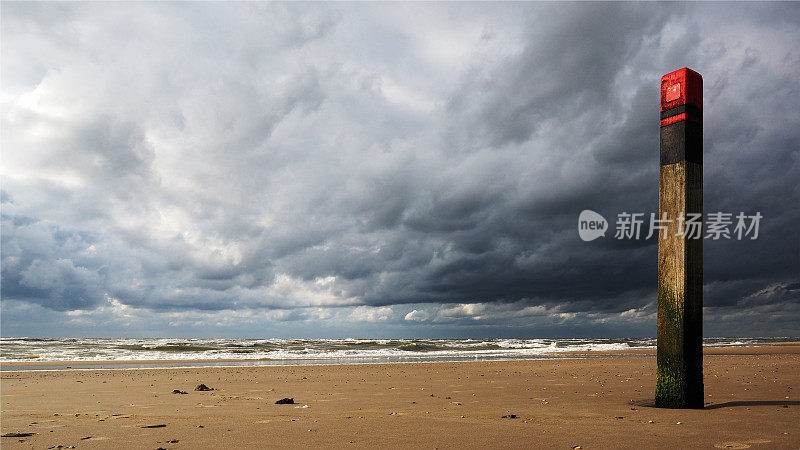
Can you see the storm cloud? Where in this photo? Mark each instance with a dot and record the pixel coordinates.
(411, 169)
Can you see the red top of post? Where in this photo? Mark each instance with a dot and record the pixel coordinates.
(681, 87)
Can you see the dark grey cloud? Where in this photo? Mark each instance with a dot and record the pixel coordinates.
(407, 169)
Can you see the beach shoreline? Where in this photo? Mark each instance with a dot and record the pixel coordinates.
(787, 347)
(599, 401)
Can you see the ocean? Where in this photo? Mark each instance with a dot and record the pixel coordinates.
(193, 352)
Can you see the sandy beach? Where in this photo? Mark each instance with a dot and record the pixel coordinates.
(602, 400)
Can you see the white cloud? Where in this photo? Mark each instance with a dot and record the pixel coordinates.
(417, 315)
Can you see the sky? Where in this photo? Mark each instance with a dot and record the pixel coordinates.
(382, 170)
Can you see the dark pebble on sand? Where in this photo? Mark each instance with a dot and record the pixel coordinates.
(161, 425)
(178, 391)
(203, 387)
(17, 434)
(509, 416)
(285, 401)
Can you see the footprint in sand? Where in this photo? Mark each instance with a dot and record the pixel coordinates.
(743, 444)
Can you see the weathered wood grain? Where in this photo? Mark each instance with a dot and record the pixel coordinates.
(680, 291)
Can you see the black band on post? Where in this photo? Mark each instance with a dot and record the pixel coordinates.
(682, 141)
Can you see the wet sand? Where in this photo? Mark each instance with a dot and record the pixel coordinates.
(602, 401)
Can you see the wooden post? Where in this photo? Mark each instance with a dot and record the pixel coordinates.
(679, 381)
